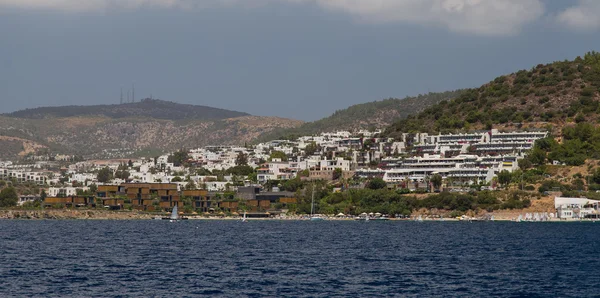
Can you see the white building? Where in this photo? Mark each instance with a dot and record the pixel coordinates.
(65, 191)
(470, 168)
(568, 208)
(482, 142)
(23, 175)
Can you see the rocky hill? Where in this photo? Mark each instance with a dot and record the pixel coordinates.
(146, 108)
(371, 115)
(551, 95)
(128, 129)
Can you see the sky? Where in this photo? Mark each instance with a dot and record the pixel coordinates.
(299, 59)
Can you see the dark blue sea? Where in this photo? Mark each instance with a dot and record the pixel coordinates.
(95, 258)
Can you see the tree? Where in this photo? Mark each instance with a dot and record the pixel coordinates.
(190, 185)
(241, 159)
(8, 197)
(376, 183)
(537, 156)
(337, 173)
(43, 195)
(278, 154)
(176, 179)
(240, 170)
(203, 172)
(122, 174)
(525, 164)
(253, 177)
(311, 148)
(104, 175)
(504, 177)
(367, 144)
(178, 158)
(93, 188)
(436, 180)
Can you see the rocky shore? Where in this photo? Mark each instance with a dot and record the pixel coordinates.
(72, 214)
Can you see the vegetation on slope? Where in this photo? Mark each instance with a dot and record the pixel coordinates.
(146, 108)
(89, 136)
(556, 93)
(579, 142)
(371, 115)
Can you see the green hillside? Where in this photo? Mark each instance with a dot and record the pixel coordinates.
(376, 114)
(562, 97)
(557, 93)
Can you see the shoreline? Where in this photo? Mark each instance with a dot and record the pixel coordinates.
(92, 214)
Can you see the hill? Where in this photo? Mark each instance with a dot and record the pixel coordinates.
(146, 108)
(371, 115)
(551, 95)
(146, 127)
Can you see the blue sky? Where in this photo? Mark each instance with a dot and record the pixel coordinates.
(300, 59)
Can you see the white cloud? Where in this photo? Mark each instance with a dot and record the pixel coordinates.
(483, 17)
(583, 16)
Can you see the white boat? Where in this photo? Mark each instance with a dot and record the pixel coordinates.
(244, 219)
(419, 219)
(174, 215)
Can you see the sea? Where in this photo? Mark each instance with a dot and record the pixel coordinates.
(270, 258)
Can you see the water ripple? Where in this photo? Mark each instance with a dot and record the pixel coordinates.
(296, 259)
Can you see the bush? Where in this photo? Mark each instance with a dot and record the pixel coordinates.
(588, 91)
(376, 183)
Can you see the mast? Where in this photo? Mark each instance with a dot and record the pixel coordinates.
(312, 203)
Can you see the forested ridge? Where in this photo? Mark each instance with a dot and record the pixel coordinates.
(558, 93)
(371, 115)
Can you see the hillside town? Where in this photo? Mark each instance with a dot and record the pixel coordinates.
(256, 178)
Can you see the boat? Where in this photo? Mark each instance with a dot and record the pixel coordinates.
(244, 219)
(381, 218)
(174, 216)
(419, 219)
(313, 217)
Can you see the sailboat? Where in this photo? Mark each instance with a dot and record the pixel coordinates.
(174, 215)
(244, 219)
(312, 207)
